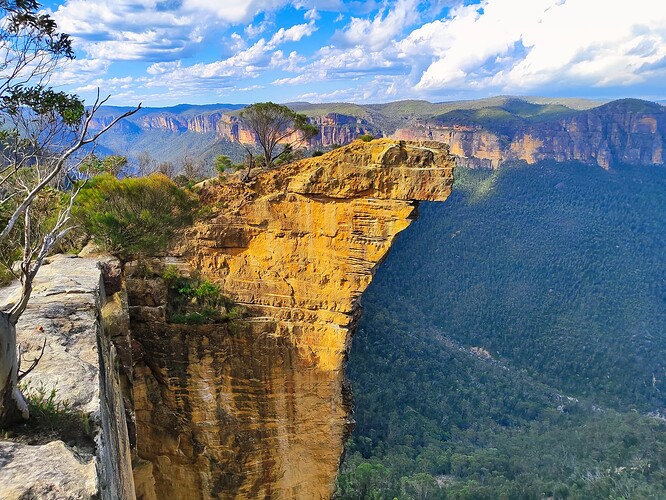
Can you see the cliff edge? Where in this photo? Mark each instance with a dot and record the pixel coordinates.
(256, 409)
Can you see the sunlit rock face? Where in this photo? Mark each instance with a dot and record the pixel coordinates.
(625, 131)
(257, 409)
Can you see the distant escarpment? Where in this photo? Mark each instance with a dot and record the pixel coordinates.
(255, 407)
(335, 129)
(626, 131)
(483, 133)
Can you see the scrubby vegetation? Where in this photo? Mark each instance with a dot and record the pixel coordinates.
(133, 216)
(52, 418)
(529, 366)
(196, 301)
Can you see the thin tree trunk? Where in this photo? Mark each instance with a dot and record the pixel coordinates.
(12, 404)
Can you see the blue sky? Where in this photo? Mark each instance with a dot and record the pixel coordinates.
(165, 52)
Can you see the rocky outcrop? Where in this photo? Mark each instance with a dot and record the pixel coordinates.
(256, 408)
(79, 365)
(51, 472)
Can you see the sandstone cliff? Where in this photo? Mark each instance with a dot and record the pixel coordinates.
(67, 313)
(495, 130)
(626, 131)
(256, 408)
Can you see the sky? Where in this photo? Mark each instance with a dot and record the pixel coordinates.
(166, 52)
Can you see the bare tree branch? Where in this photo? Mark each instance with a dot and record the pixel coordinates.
(60, 162)
(33, 364)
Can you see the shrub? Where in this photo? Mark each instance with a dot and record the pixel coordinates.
(133, 216)
(366, 137)
(171, 274)
(222, 164)
(195, 301)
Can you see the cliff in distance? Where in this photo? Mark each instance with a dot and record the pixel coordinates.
(257, 409)
(486, 132)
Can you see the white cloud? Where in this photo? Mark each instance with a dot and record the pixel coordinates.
(152, 29)
(311, 15)
(376, 33)
(389, 49)
(232, 11)
(222, 77)
(73, 72)
(540, 42)
(254, 30)
(163, 67)
(293, 34)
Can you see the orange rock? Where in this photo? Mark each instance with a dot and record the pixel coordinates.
(261, 412)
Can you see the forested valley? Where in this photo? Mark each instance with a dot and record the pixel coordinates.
(513, 344)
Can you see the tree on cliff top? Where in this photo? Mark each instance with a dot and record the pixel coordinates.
(41, 132)
(276, 124)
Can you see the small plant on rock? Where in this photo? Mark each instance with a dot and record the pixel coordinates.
(196, 301)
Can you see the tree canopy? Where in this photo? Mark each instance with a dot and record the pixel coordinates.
(274, 125)
(132, 216)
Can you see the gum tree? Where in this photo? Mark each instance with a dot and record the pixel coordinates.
(42, 132)
(275, 125)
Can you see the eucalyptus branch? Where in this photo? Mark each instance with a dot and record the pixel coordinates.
(59, 163)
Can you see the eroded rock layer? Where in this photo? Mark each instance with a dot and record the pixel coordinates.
(256, 408)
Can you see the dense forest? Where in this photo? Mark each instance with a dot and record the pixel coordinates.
(513, 345)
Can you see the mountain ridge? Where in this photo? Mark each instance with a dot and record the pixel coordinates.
(486, 132)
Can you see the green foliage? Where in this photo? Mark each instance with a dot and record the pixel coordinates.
(44, 101)
(366, 137)
(31, 44)
(43, 402)
(133, 216)
(51, 418)
(114, 164)
(288, 155)
(565, 295)
(44, 211)
(171, 274)
(194, 301)
(273, 124)
(317, 153)
(507, 118)
(222, 164)
(24, 17)
(111, 164)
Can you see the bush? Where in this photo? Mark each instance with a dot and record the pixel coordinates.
(195, 301)
(133, 216)
(366, 137)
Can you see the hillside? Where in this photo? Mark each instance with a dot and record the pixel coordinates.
(529, 365)
(486, 131)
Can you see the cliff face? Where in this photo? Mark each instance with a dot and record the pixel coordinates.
(619, 132)
(335, 129)
(467, 142)
(624, 131)
(257, 408)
